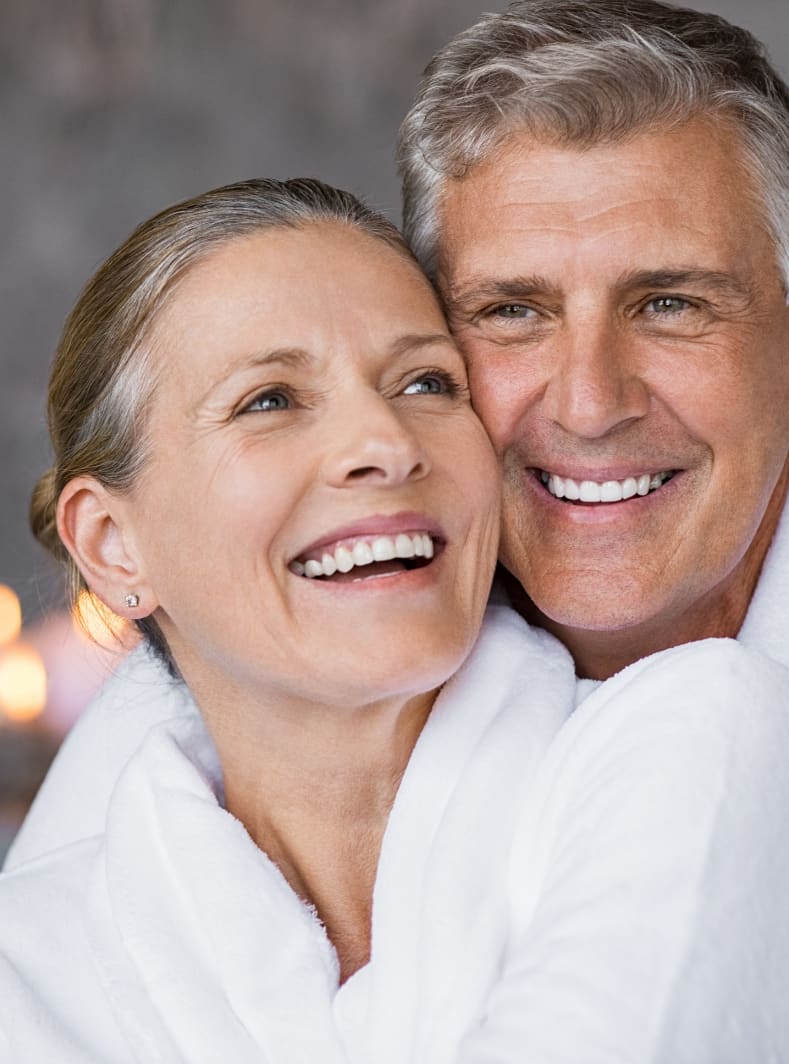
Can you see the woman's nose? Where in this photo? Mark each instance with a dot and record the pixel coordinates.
(371, 442)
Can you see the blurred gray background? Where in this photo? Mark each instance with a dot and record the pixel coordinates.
(111, 109)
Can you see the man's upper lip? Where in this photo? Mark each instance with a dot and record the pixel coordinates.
(376, 525)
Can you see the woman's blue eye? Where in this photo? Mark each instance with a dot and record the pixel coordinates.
(270, 401)
(431, 384)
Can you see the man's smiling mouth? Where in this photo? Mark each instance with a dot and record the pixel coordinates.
(605, 491)
(372, 556)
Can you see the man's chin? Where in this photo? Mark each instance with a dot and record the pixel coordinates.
(595, 602)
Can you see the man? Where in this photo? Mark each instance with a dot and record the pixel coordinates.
(600, 193)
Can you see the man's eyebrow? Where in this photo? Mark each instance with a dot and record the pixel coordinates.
(483, 288)
(469, 294)
(724, 283)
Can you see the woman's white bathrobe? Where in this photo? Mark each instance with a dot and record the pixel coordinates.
(609, 885)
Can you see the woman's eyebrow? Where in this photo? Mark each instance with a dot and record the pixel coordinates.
(414, 341)
(289, 357)
(296, 357)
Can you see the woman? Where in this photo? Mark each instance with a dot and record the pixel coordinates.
(372, 842)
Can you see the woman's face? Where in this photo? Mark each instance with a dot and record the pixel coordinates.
(312, 413)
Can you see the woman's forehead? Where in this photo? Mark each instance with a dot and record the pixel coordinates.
(298, 253)
(322, 267)
(321, 289)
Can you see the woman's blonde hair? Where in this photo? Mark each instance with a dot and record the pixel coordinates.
(103, 378)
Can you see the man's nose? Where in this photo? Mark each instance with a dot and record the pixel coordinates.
(369, 441)
(596, 384)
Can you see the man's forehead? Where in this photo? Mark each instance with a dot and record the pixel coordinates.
(688, 185)
(524, 159)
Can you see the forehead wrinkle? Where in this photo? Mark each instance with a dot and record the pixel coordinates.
(580, 206)
(596, 212)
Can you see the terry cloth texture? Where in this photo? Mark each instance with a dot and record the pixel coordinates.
(606, 885)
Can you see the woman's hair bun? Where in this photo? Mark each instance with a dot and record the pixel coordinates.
(43, 515)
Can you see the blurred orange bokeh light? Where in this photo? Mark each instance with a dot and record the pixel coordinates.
(10, 615)
(23, 683)
(94, 619)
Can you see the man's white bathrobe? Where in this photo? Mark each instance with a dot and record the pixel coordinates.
(609, 884)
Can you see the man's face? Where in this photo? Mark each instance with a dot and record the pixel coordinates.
(626, 328)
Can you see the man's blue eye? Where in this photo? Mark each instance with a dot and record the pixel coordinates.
(514, 310)
(668, 304)
(270, 401)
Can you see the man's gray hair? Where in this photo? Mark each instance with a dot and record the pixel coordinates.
(585, 72)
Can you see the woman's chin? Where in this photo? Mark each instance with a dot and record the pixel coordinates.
(367, 665)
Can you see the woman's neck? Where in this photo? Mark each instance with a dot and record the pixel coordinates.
(314, 786)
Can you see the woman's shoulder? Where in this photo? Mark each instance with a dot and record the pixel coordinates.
(713, 709)
(705, 662)
(52, 1006)
(49, 886)
(73, 799)
(649, 871)
(677, 763)
(717, 686)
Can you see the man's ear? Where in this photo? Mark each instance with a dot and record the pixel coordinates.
(91, 525)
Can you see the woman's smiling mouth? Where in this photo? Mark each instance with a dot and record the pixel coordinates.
(377, 556)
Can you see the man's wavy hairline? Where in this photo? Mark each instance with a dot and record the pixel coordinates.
(493, 80)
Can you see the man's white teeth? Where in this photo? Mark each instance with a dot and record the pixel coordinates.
(365, 552)
(602, 491)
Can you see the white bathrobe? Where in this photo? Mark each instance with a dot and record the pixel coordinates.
(72, 802)
(605, 885)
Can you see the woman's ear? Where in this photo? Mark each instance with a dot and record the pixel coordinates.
(91, 525)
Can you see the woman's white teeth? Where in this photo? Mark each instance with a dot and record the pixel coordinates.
(364, 552)
(344, 560)
(404, 547)
(603, 491)
(383, 549)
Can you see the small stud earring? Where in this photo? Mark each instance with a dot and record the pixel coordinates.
(132, 601)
